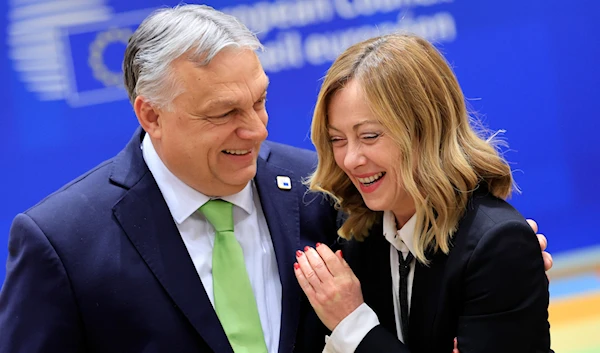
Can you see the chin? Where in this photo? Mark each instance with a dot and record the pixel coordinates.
(242, 178)
(375, 206)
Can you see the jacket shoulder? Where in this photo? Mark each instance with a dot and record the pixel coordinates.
(83, 197)
(489, 219)
(298, 160)
(487, 211)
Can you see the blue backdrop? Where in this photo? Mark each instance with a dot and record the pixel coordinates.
(529, 67)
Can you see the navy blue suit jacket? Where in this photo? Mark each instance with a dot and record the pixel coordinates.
(99, 266)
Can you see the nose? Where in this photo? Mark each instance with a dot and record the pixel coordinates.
(354, 157)
(254, 126)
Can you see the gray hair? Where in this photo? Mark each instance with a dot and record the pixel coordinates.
(198, 31)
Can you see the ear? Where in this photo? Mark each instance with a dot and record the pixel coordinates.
(148, 116)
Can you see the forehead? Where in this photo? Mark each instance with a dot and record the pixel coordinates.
(233, 73)
(348, 106)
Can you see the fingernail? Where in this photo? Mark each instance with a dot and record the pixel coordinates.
(298, 253)
(306, 248)
(318, 245)
(296, 265)
(341, 255)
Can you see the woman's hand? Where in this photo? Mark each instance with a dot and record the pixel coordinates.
(330, 285)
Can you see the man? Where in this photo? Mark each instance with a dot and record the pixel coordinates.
(135, 255)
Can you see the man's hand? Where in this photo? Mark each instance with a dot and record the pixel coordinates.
(543, 244)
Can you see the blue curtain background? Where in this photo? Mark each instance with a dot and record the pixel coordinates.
(527, 67)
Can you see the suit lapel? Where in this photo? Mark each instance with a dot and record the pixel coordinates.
(281, 209)
(371, 261)
(426, 292)
(145, 218)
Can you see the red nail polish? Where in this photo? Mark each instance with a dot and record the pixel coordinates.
(296, 265)
(305, 248)
(298, 253)
(318, 245)
(341, 255)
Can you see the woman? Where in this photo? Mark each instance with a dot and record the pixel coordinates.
(398, 155)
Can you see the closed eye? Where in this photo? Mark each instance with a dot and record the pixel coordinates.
(335, 139)
(370, 136)
(231, 112)
(222, 118)
(261, 103)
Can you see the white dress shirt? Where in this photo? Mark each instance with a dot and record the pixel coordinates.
(198, 235)
(352, 330)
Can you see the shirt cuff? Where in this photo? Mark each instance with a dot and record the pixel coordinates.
(351, 331)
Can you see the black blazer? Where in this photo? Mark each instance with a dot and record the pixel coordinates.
(490, 291)
(99, 266)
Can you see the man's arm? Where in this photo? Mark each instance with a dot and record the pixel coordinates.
(38, 312)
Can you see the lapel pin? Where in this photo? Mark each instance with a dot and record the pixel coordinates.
(284, 183)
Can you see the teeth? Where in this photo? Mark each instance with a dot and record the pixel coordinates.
(371, 179)
(237, 152)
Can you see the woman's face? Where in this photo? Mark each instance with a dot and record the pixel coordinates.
(366, 153)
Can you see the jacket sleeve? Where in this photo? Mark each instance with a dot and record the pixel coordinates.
(505, 288)
(38, 311)
(380, 340)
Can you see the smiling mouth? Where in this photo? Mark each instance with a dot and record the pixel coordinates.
(236, 152)
(372, 179)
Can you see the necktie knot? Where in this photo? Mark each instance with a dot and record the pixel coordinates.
(220, 214)
(404, 263)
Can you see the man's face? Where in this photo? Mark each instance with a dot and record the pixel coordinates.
(211, 135)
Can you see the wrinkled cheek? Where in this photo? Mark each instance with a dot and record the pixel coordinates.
(339, 160)
(265, 118)
(216, 164)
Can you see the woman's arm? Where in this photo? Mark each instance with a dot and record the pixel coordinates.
(505, 306)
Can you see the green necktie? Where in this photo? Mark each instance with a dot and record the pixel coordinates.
(234, 300)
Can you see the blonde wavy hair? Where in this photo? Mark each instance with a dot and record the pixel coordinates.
(414, 94)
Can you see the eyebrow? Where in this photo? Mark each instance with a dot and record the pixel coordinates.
(220, 102)
(355, 127)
